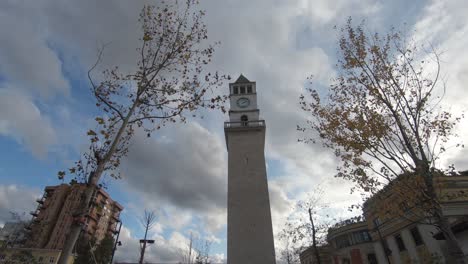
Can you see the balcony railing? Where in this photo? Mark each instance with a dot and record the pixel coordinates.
(116, 217)
(241, 124)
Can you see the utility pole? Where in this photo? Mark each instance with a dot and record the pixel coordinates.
(117, 242)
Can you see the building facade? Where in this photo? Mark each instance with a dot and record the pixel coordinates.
(408, 236)
(250, 233)
(405, 235)
(308, 256)
(351, 243)
(53, 217)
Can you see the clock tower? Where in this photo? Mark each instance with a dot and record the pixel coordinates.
(250, 233)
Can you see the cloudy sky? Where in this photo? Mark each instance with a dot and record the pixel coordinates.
(46, 105)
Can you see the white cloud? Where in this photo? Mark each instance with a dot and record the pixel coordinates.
(182, 170)
(18, 199)
(21, 119)
(164, 250)
(27, 59)
(186, 168)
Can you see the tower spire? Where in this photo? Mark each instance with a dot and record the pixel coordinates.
(242, 79)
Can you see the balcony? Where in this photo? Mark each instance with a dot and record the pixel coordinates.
(93, 216)
(245, 124)
(40, 200)
(34, 213)
(115, 217)
(111, 229)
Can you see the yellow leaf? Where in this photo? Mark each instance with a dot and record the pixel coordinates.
(147, 37)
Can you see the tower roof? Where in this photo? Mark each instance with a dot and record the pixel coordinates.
(242, 79)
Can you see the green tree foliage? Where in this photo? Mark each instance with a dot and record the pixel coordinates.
(21, 257)
(306, 227)
(382, 117)
(84, 251)
(103, 251)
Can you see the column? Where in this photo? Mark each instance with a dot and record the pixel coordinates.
(432, 245)
(410, 245)
(379, 252)
(394, 248)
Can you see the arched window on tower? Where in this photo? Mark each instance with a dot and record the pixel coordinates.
(244, 120)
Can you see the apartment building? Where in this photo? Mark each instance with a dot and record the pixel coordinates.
(53, 217)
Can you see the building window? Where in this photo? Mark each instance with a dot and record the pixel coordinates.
(400, 243)
(342, 241)
(242, 89)
(52, 260)
(41, 259)
(244, 120)
(235, 90)
(249, 88)
(416, 236)
(361, 237)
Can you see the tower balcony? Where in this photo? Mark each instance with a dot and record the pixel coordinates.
(40, 200)
(245, 124)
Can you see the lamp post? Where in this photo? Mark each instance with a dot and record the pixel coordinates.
(117, 242)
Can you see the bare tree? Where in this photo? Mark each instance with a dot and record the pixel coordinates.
(307, 227)
(148, 222)
(17, 236)
(203, 252)
(169, 82)
(383, 119)
(188, 256)
(288, 253)
(198, 251)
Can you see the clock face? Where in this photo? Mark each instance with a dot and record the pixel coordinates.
(243, 102)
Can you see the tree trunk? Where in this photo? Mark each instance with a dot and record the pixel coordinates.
(142, 253)
(93, 180)
(314, 238)
(75, 228)
(143, 248)
(455, 251)
(190, 250)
